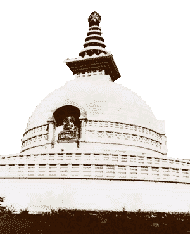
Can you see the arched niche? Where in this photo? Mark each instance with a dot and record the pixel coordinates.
(65, 111)
(67, 123)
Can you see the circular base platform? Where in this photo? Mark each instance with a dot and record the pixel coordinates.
(45, 194)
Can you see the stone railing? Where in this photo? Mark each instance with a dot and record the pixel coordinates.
(35, 137)
(101, 132)
(35, 141)
(43, 129)
(121, 133)
(102, 166)
(92, 73)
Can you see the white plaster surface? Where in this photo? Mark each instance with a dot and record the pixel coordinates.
(101, 99)
(44, 194)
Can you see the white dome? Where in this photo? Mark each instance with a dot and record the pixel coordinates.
(98, 98)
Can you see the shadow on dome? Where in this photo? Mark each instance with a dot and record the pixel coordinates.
(64, 112)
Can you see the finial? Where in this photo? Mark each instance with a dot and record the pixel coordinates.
(94, 19)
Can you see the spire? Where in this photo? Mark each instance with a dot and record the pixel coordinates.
(94, 59)
(94, 42)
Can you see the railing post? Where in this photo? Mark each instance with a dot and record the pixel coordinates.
(138, 172)
(51, 133)
(104, 171)
(127, 172)
(116, 172)
(69, 170)
(92, 170)
(149, 172)
(82, 128)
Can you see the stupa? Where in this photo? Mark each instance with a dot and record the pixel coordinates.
(92, 130)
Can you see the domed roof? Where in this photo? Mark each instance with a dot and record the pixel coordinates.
(98, 98)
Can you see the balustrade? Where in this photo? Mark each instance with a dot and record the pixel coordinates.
(140, 160)
(31, 170)
(133, 159)
(184, 164)
(42, 168)
(144, 170)
(173, 174)
(114, 158)
(87, 170)
(155, 172)
(110, 171)
(121, 171)
(19, 170)
(165, 173)
(149, 160)
(185, 174)
(96, 165)
(92, 73)
(120, 132)
(99, 171)
(34, 141)
(131, 129)
(106, 158)
(133, 172)
(4, 170)
(35, 131)
(124, 158)
(64, 170)
(75, 170)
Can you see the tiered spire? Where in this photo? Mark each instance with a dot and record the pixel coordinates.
(94, 58)
(94, 42)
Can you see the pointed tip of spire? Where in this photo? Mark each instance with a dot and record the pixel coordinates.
(94, 19)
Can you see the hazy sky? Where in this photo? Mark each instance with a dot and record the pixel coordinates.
(42, 195)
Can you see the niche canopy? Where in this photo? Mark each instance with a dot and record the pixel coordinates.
(94, 56)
